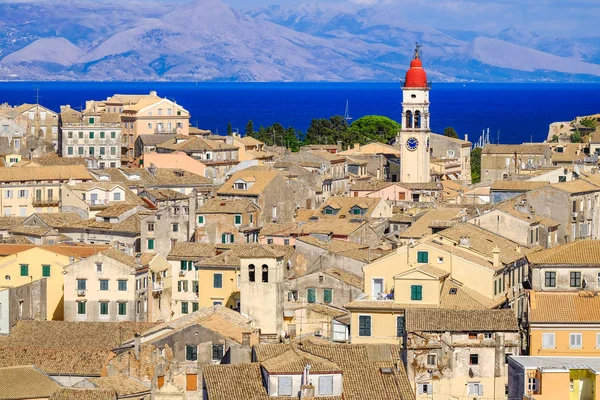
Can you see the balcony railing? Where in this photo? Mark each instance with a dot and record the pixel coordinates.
(38, 202)
(157, 286)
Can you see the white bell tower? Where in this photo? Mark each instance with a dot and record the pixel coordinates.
(414, 135)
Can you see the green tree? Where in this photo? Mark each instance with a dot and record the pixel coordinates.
(250, 128)
(450, 132)
(328, 131)
(229, 129)
(576, 137)
(589, 122)
(373, 128)
(476, 165)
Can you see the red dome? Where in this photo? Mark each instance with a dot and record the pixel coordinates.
(416, 75)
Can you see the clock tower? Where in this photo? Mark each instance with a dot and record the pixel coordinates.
(414, 135)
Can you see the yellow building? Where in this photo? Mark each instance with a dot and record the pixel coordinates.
(36, 189)
(478, 271)
(564, 324)
(218, 279)
(30, 263)
(553, 378)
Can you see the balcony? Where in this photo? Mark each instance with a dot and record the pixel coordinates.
(97, 202)
(51, 202)
(165, 131)
(157, 286)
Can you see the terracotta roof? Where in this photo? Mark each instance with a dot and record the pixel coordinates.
(369, 185)
(525, 148)
(130, 225)
(10, 222)
(325, 226)
(250, 141)
(53, 159)
(167, 194)
(115, 210)
(59, 347)
(294, 362)
(32, 230)
(325, 309)
(421, 227)
(564, 307)
(571, 152)
(60, 219)
(59, 172)
(576, 186)
(361, 368)
(345, 276)
(484, 242)
(224, 206)
(333, 246)
(153, 140)
(431, 271)
(84, 394)
(260, 176)
(123, 385)
(25, 382)
(121, 257)
(579, 253)
(345, 204)
(508, 207)
(192, 144)
(219, 319)
(518, 186)
(443, 320)
(279, 229)
(163, 177)
(191, 250)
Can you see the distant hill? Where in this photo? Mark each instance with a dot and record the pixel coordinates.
(208, 40)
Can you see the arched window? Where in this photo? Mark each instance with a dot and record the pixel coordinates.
(409, 119)
(417, 119)
(265, 273)
(251, 272)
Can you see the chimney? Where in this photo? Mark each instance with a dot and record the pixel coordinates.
(307, 392)
(466, 137)
(518, 249)
(71, 259)
(137, 344)
(246, 339)
(339, 145)
(356, 146)
(496, 257)
(152, 169)
(153, 93)
(464, 242)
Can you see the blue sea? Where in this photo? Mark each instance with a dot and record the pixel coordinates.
(515, 113)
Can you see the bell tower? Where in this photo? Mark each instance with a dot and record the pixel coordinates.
(414, 135)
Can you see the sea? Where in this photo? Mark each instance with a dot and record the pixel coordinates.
(513, 112)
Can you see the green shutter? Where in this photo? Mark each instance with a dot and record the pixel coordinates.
(24, 270)
(103, 308)
(238, 219)
(422, 257)
(45, 270)
(150, 244)
(179, 286)
(312, 295)
(400, 326)
(194, 306)
(184, 307)
(416, 292)
(364, 325)
(218, 281)
(231, 238)
(327, 295)
(224, 238)
(201, 219)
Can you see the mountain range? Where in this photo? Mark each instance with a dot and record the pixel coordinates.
(206, 40)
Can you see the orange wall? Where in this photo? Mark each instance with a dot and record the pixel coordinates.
(561, 341)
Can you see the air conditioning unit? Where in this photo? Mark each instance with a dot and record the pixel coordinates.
(182, 273)
(81, 293)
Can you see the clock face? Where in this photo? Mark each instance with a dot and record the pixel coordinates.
(412, 143)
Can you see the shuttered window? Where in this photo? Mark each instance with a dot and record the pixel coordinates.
(24, 270)
(400, 326)
(422, 257)
(364, 325)
(103, 308)
(45, 270)
(325, 385)
(548, 340)
(416, 292)
(327, 296)
(184, 307)
(550, 279)
(218, 281)
(284, 386)
(312, 295)
(191, 352)
(150, 244)
(238, 219)
(160, 381)
(424, 388)
(575, 340)
(217, 352)
(191, 382)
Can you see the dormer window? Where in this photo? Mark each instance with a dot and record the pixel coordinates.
(356, 210)
(329, 211)
(91, 120)
(241, 185)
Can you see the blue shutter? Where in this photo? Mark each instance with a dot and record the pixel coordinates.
(217, 281)
(312, 295)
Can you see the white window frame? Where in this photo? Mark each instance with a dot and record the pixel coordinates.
(373, 279)
(434, 359)
(575, 335)
(279, 385)
(475, 389)
(532, 385)
(553, 336)
(598, 340)
(329, 380)
(424, 388)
